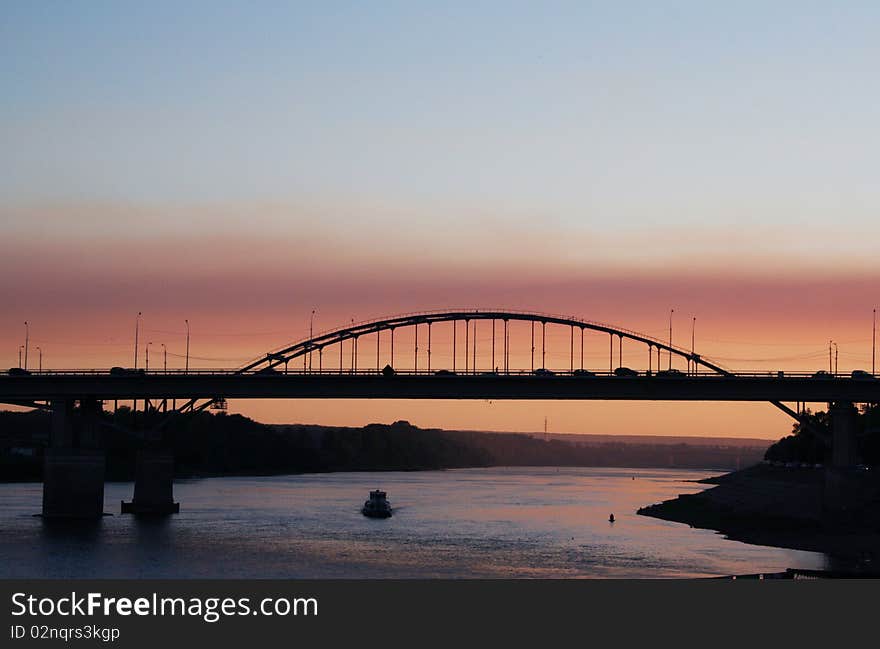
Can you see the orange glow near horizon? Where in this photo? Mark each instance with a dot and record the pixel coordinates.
(247, 293)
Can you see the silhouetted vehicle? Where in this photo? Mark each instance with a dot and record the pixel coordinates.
(388, 371)
(822, 374)
(268, 371)
(126, 371)
(861, 374)
(488, 373)
(18, 371)
(444, 373)
(583, 373)
(541, 371)
(625, 371)
(377, 506)
(670, 372)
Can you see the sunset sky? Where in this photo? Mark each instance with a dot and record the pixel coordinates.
(241, 166)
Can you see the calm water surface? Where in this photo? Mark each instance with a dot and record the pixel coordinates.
(500, 522)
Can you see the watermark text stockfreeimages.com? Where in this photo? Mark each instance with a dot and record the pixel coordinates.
(209, 609)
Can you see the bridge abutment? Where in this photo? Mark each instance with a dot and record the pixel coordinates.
(153, 486)
(73, 466)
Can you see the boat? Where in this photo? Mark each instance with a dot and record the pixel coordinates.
(377, 506)
(611, 518)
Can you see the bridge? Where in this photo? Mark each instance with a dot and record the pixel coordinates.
(334, 367)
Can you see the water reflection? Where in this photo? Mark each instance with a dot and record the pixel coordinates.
(504, 522)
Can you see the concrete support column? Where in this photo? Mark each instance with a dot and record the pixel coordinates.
(61, 425)
(153, 486)
(73, 478)
(844, 452)
(73, 483)
(90, 419)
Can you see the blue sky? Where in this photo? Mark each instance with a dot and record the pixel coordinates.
(600, 115)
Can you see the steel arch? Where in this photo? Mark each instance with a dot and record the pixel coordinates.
(339, 335)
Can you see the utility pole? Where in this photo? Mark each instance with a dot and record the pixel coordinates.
(137, 326)
(26, 343)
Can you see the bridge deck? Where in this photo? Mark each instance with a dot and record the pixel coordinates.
(40, 387)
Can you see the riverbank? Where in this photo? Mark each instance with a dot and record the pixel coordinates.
(787, 508)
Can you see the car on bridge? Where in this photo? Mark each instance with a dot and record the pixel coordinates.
(268, 371)
(625, 371)
(444, 373)
(862, 375)
(583, 373)
(670, 372)
(18, 371)
(822, 374)
(542, 371)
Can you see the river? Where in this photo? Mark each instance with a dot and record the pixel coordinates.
(497, 522)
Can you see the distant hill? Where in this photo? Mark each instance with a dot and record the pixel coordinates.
(205, 443)
(743, 442)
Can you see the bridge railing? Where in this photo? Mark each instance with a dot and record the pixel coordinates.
(577, 373)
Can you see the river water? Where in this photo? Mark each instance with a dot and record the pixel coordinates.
(498, 522)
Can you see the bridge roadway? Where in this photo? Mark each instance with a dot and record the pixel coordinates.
(372, 385)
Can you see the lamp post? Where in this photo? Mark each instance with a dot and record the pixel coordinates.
(311, 336)
(20, 350)
(874, 346)
(671, 311)
(164, 359)
(137, 326)
(186, 367)
(835, 359)
(41, 358)
(26, 341)
(830, 366)
(147, 351)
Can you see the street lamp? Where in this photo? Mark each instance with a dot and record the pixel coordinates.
(186, 370)
(874, 346)
(20, 350)
(835, 359)
(671, 311)
(311, 336)
(137, 326)
(164, 359)
(693, 339)
(26, 337)
(41, 358)
(147, 348)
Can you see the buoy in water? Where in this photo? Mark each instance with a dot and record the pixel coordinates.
(611, 518)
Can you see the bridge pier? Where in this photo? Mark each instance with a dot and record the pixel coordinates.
(153, 485)
(842, 491)
(73, 466)
(844, 450)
